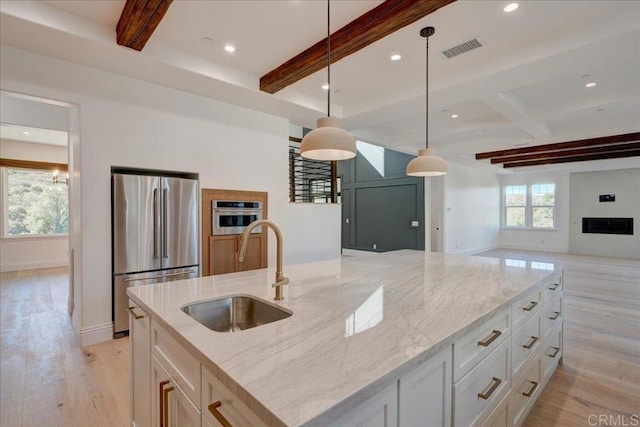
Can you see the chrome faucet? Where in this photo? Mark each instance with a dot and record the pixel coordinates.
(280, 279)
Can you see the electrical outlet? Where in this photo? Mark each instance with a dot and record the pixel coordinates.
(375, 246)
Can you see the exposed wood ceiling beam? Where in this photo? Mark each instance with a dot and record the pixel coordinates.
(605, 140)
(370, 27)
(139, 20)
(568, 153)
(601, 156)
(29, 164)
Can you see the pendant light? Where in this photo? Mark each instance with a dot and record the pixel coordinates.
(427, 163)
(328, 141)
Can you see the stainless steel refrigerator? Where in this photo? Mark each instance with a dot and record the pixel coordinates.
(155, 235)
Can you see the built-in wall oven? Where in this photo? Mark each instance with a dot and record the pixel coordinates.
(232, 217)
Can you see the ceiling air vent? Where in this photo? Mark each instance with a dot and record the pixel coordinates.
(462, 48)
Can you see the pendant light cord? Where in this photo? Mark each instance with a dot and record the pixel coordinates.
(329, 58)
(426, 96)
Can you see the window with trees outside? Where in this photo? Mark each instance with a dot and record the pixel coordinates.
(529, 206)
(36, 206)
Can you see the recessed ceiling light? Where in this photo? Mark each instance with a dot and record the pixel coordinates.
(229, 48)
(26, 132)
(591, 84)
(396, 57)
(511, 7)
(454, 116)
(325, 86)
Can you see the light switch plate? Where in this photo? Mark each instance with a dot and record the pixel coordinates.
(415, 223)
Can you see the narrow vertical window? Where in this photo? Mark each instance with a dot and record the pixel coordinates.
(515, 205)
(543, 201)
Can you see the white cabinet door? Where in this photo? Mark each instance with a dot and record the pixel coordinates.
(140, 344)
(379, 411)
(425, 393)
(182, 412)
(160, 383)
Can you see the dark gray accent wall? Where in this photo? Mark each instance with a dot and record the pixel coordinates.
(379, 203)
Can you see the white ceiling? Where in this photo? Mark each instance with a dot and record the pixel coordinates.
(524, 86)
(31, 134)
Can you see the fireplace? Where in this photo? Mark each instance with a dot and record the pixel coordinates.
(608, 225)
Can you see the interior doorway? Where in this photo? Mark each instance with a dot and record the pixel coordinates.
(37, 184)
(437, 213)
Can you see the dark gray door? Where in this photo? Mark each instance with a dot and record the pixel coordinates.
(391, 208)
(346, 219)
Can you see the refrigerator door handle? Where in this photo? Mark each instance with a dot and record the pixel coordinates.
(160, 276)
(165, 231)
(155, 223)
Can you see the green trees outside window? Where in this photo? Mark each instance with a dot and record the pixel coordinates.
(36, 206)
(529, 206)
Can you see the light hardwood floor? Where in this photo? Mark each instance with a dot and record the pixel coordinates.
(47, 379)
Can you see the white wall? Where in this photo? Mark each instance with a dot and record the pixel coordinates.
(541, 240)
(24, 253)
(125, 122)
(585, 189)
(472, 214)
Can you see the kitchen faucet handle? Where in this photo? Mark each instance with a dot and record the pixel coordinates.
(281, 282)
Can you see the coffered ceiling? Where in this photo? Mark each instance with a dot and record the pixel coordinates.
(524, 86)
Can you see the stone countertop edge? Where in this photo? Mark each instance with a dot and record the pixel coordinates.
(332, 412)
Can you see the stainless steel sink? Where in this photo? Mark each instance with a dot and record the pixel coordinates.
(234, 313)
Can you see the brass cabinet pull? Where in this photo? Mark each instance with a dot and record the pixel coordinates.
(494, 336)
(160, 397)
(531, 390)
(531, 306)
(136, 316)
(531, 343)
(556, 314)
(213, 408)
(495, 383)
(555, 352)
(554, 286)
(165, 397)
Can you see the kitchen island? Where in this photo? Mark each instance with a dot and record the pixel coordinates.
(361, 329)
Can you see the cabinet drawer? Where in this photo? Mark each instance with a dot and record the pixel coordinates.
(524, 308)
(230, 407)
(499, 417)
(526, 342)
(552, 287)
(552, 315)
(551, 352)
(469, 350)
(180, 364)
(525, 393)
(381, 410)
(478, 392)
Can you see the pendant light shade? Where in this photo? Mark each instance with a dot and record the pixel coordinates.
(328, 141)
(427, 163)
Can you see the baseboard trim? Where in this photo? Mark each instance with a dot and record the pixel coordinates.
(534, 248)
(36, 265)
(477, 250)
(96, 334)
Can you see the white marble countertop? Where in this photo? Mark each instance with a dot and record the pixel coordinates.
(358, 323)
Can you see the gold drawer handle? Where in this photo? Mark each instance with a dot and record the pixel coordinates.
(556, 350)
(531, 343)
(164, 404)
(495, 383)
(136, 316)
(531, 390)
(213, 408)
(554, 286)
(531, 306)
(494, 336)
(556, 314)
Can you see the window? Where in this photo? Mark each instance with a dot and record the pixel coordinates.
(310, 181)
(35, 205)
(529, 206)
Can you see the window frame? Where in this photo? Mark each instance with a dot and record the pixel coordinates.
(5, 165)
(528, 211)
